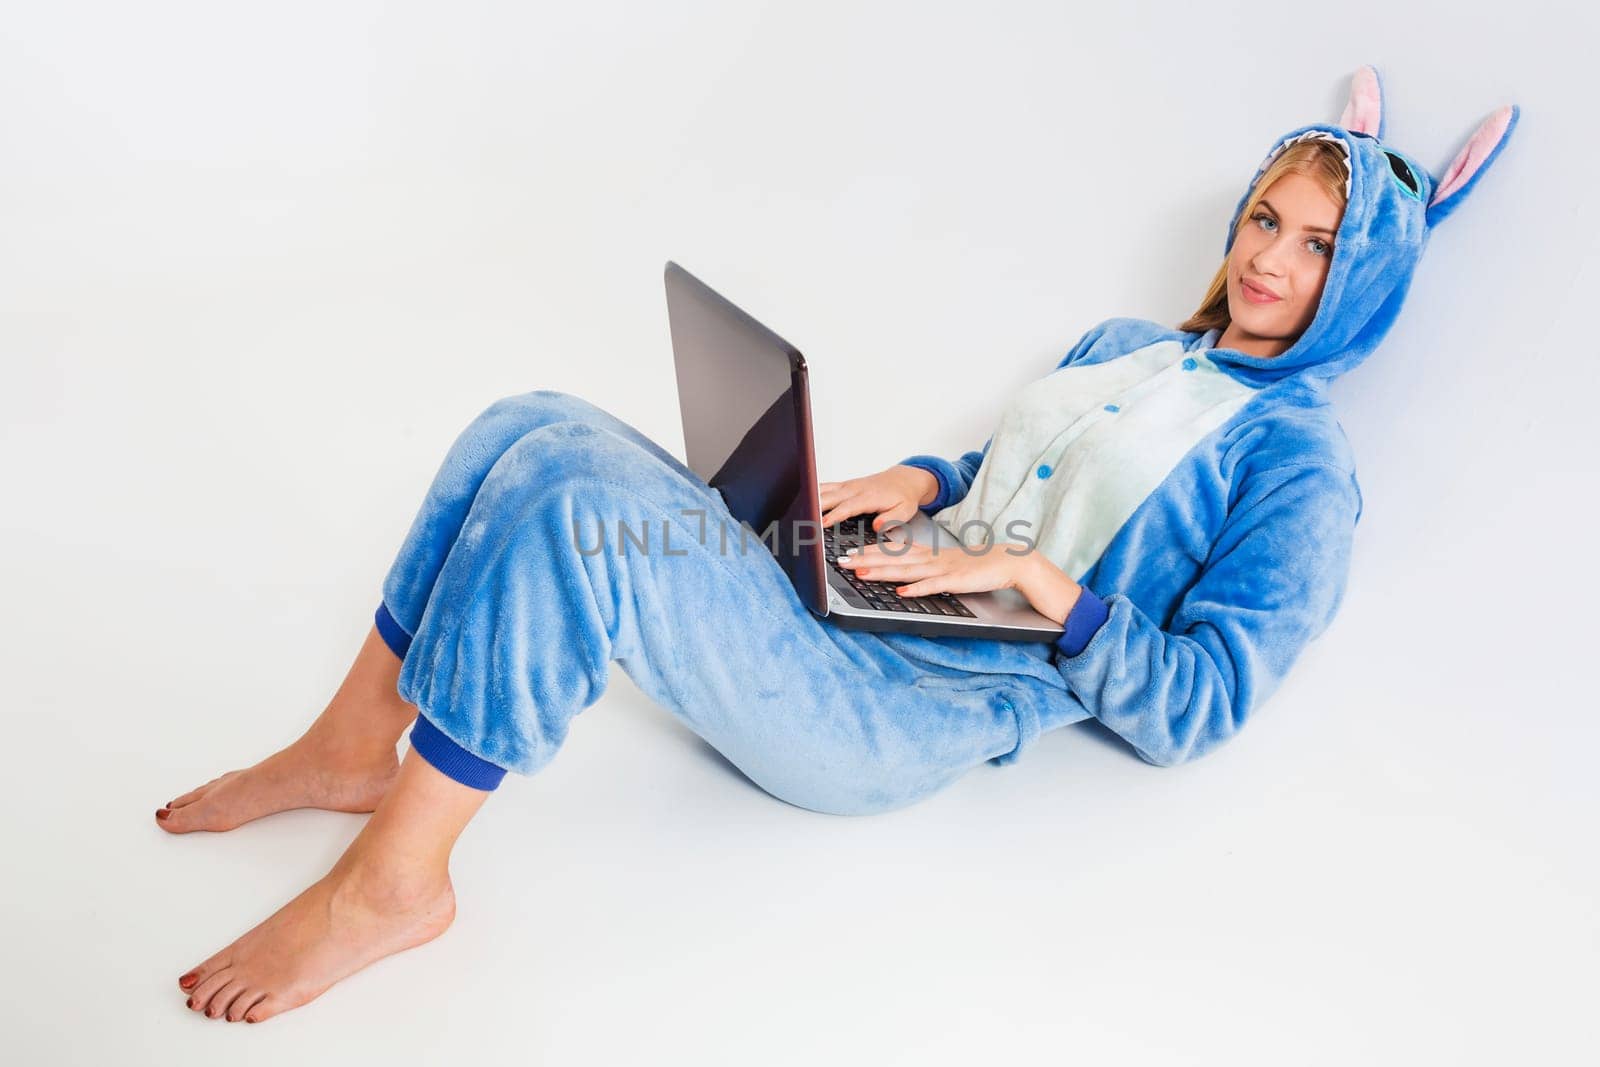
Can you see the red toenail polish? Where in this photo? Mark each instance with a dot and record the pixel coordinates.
(187, 981)
(163, 813)
(190, 1002)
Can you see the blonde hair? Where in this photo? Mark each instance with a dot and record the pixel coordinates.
(1319, 159)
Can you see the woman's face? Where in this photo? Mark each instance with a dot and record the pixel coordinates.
(1277, 266)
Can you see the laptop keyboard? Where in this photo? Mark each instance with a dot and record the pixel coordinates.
(857, 531)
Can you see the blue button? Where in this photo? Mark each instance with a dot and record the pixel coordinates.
(1044, 471)
(1112, 407)
(1190, 364)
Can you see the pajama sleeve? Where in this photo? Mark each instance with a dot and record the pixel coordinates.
(1273, 582)
(954, 476)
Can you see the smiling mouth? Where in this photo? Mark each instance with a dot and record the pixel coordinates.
(1257, 295)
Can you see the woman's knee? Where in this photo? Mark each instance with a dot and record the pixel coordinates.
(573, 455)
(498, 427)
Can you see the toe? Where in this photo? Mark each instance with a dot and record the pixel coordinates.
(224, 998)
(191, 796)
(243, 1003)
(263, 1009)
(192, 817)
(190, 981)
(207, 987)
(176, 820)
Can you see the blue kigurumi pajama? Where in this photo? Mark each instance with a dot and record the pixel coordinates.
(1205, 499)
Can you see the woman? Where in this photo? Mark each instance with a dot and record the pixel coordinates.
(1195, 478)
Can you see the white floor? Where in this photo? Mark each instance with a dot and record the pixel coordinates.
(1328, 888)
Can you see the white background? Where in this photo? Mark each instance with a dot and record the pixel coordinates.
(259, 266)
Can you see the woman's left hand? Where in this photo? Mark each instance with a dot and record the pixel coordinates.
(952, 569)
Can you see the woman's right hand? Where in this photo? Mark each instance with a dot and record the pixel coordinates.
(893, 495)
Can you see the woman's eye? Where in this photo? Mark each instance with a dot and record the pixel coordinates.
(1322, 246)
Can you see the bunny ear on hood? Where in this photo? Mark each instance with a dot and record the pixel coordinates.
(1462, 175)
(1392, 205)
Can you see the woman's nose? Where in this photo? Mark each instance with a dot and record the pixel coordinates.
(1267, 262)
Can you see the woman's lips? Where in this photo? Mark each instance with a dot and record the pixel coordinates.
(1254, 295)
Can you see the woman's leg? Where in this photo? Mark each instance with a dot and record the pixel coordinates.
(580, 548)
(346, 759)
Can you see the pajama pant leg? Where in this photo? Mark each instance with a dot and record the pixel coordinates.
(557, 539)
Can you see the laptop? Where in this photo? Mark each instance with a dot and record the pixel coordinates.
(745, 398)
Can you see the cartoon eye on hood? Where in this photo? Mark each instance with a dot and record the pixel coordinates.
(1404, 172)
(1393, 204)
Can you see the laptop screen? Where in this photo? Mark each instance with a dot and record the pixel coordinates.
(742, 392)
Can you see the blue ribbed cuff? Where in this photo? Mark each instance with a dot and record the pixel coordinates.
(393, 636)
(1085, 618)
(934, 466)
(450, 759)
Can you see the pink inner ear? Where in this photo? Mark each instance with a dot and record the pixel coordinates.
(1365, 108)
(1471, 157)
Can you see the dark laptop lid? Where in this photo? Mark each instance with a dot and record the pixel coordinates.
(744, 397)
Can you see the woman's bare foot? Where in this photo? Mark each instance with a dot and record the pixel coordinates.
(390, 891)
(311, 773)
(356, 914)
(344, 762)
